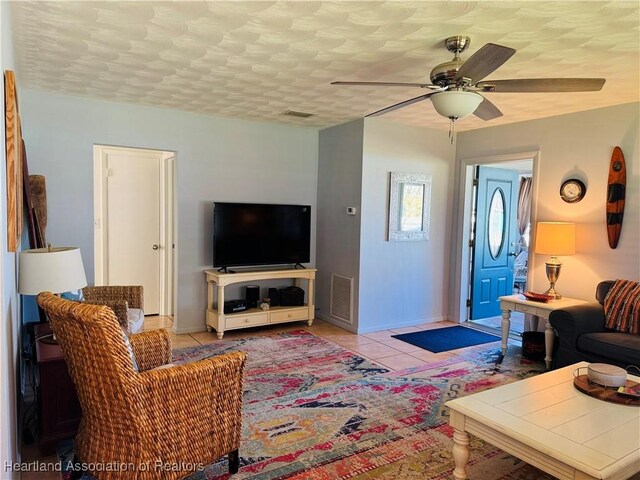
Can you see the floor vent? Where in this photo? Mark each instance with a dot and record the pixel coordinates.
(342, 298)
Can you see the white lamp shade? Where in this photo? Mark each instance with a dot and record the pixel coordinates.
(555, 238)
(54, 269)
(456, 103)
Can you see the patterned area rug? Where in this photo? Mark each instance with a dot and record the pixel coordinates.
(316, 411)
(287, 363)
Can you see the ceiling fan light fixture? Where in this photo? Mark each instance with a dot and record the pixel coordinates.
(456, 104)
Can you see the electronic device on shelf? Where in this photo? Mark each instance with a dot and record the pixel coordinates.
(251, 234)
(234, 306)
(537, 297)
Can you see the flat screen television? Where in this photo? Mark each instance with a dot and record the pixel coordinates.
(247, 234)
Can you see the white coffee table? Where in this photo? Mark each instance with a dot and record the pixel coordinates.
(546, 422)
(519, 303)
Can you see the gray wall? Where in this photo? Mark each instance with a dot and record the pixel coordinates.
(339, 187)
(9, 301)
(578, 144)
(403, 283)
(216, 158)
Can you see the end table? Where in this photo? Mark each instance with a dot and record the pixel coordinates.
(519, 303)
(59, 411)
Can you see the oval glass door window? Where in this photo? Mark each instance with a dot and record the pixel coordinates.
(497, 222)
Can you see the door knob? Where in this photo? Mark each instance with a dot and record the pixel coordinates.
(513, 254)
(156, 247)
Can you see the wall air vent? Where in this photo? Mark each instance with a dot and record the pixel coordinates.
(293, 113)
(342, 298)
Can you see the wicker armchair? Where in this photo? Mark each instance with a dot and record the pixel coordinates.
(180, 417)
(119, 299)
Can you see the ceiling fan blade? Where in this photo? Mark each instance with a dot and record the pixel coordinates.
(400, 105)
(387, 84)
(487, 110)
(543, 85)
(484, 61)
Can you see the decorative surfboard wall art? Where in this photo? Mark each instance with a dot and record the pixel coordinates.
(616, 188)
(13, 146)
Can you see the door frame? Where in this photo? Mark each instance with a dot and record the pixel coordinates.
(168, 267)
(462, 224)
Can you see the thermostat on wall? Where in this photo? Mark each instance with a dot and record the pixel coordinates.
(351, 210)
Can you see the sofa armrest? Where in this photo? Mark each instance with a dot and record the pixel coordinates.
(199, 404)
(579, 319)
(151, 349)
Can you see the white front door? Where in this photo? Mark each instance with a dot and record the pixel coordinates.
(131, 221)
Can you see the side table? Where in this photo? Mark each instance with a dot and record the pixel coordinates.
(59, 411)
(519, 303)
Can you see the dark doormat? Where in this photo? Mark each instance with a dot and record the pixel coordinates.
(447, 338)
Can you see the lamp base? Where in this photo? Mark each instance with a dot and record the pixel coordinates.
(552, 292)
(553, 272)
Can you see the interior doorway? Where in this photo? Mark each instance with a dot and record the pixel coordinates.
(499, 223)
(133, 222)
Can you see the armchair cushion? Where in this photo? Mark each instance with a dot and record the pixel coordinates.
(127, 344)
(135, 319)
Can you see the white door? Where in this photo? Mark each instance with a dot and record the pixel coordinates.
(132, 222)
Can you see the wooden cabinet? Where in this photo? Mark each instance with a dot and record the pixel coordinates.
(59, 411)
(217, 320)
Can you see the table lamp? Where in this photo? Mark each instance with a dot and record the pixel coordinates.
(51, 269)
(555, 239)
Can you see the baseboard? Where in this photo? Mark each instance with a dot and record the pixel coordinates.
(337, 323)
(396, 325)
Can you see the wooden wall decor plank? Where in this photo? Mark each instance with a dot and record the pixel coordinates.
(38, 191)
(26, 189)
(19, 181)
(616, 190)
(10, 116)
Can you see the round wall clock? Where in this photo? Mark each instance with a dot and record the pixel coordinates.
(572, 190)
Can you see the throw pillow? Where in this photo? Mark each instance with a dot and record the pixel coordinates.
(127, 343)
(622, 307)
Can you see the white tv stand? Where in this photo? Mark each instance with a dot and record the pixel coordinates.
(217, 320)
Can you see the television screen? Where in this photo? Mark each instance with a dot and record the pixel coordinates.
(260, 234)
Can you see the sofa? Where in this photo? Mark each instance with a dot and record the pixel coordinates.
(582, 335)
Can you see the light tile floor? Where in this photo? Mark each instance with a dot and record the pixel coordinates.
(517, 322)
(379, 347)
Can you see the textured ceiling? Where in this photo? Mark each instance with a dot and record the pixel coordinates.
(254, 60)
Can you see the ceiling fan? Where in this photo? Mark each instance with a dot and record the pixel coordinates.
(456, 85)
